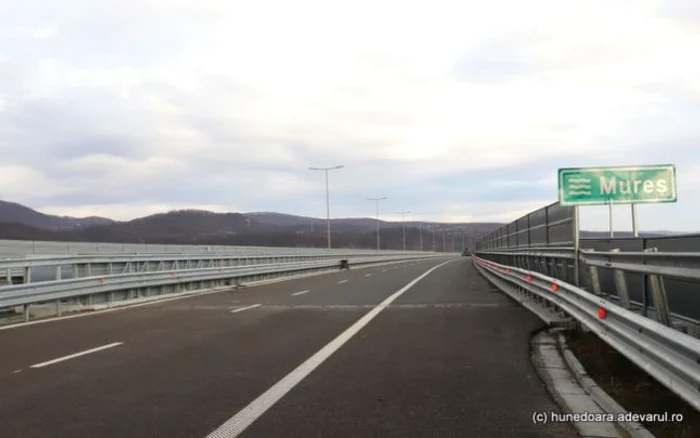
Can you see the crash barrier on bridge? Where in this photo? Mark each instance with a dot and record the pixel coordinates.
(10, 248)
(671, 357)
(640, 295)
(105, 279)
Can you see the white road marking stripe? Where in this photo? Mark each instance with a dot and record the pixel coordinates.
(245, 417)
(383, 270)
(246, 308)
(71, 356)
(342, 281)
(300, 293)
(368, 275)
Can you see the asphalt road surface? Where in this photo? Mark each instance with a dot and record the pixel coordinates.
(372, 352)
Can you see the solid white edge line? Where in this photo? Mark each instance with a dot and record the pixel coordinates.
(246, 308)
(300, 293)
(245, 417)
(342, 281)
(72, 356)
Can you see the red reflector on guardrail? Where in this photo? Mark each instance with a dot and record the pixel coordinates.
(172, 274)
(509, 271)
(602, 313)
(101, 280)
(529, 278)
(555, 287)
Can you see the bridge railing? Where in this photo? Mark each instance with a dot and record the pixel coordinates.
(665, 354)
(649, 287)
(71, 282)
(13, 248)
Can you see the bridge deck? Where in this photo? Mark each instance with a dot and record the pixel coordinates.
(449, 357)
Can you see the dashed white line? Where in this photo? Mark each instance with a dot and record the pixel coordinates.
(300, 293)
(368, 275)
(383, 270)
(72, 356)
(245, 417)
(246, 308)
(342, 281)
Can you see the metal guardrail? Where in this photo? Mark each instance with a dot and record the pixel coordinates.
(32, 247)
(24, 269)
(669, 356)
(170, 280)
(647, 279)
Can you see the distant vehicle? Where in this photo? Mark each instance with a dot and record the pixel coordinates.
(466, 253)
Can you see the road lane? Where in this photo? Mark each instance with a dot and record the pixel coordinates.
(450, 358)
(184, 365)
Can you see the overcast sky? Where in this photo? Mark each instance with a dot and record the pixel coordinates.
(456, 110)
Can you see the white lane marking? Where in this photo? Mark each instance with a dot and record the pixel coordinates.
(342, 281)
(300, 293)
(17, 371)
(368, 275)
(245, 417)
(72, 356)
(246, 308)
(383, 270)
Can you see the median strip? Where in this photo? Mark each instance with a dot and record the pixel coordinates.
(72, 356)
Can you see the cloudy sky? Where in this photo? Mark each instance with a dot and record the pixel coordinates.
(456, 110)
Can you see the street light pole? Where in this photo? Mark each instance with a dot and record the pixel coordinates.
(420, 237)
(404, 213)
(328, 200)
(444, 241)
(434, 247)
(376, 202)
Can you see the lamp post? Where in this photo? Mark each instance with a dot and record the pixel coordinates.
(420, 237)
(404, 213)
(328, 199)
(376, 203)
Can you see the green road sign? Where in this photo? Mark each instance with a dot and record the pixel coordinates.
(619, 184)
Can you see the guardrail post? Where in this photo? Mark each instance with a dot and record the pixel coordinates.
(25, 311)
(621, 286)
(58, 308)
(658, 291)
(595, 280)
(28, 274)
(58, 272)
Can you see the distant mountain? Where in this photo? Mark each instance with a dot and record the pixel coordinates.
(13, 212)
(362, 223)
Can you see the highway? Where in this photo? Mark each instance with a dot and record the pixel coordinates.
(416, 349)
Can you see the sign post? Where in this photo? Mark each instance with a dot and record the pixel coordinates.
(610, 218)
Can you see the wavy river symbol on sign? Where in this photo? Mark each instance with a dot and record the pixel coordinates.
(579, 186)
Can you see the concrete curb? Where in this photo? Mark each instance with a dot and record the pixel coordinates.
(636, 430)
(567, 393)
